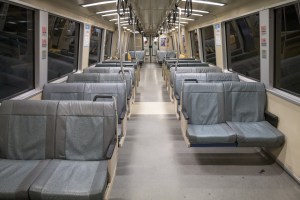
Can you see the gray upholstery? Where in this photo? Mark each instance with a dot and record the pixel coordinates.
(139, 55)
(83, 78)
(63, 91)
(204, 103)
(84, 129)
(24, 125)
(102, 78)
(191, 70)
(245, 102)
(222, 77)
(16, 177)
(211, 134)
(193, 63)
(63, 179)
(179, 78)
(120, 130)
(118, 90)
(258, 134)
(110, 70)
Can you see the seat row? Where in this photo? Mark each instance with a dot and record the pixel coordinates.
(57, 149)
(227, 114)
(90, 92)
(197, 78)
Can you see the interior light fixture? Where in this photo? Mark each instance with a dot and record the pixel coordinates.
(182, 22)
(123, 22)
(208, 2)
(187, 19)
(97, 3)
(194, 14)
(111, 14)
(106, 11)
(111, 20)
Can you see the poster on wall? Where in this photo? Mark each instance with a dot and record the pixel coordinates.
(218, 35)
(87, 32)
(163, 42)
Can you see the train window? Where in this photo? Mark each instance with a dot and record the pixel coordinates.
(63, 47)
(208, 37)
(16, 50)
(243, 48)
(108, 42)
(194, 43)
(287, 51)
(95, 45)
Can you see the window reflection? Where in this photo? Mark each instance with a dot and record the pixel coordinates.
(95, 45)
(108, 43)
(194, 43)
(16, 50)
(287, 55)
(242, 37)
(209, 45)
(63, 47)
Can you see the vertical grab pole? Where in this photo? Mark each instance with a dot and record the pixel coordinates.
(134, 39)
(178, 43)
(120, 45)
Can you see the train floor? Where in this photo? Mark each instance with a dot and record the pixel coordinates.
(154, 162)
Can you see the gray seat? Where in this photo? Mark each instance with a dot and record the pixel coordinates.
(63, 91)
(191, 70)
(84, 132)
(222, 77)
(244, 113)
(102, 78)
(27, 141)
(203, 107)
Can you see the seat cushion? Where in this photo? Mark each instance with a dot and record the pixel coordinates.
(210, 134)
(63, 179)
(257, 134)
(16, 176)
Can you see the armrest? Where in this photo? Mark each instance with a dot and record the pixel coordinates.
(186, 117)
(122, 116)
(191, 80)
(110, 150)
(103, 97)
(271, 118)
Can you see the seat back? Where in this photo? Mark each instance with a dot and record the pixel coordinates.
(192, 70)
(222, 77)
(203, 103)
(118, 90)
(179, 78)
(97, 70)
(84, 130)
(83, 78)
(244, 102)
(63, 91)
(27, 129)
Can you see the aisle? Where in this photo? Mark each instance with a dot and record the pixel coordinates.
(155, 164)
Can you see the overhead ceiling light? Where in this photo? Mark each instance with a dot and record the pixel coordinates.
(117, 19)
(187, 19)
(208, 2)
(182, 22)
(123, 22)
(107, 11)
(194, 14)
(198, 11)
(98, 3)
(111, 14)
(125, 27)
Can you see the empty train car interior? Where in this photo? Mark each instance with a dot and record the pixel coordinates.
(149, 99)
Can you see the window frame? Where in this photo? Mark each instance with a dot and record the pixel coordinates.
(77, 54)
(203, 43)
(34, 29)
(99, 49)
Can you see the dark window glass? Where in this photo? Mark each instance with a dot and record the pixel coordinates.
(95, 45)
(16, 50)
(194, 43)
(287, 51)
(243, 48)
(63, 47)
(209, 50)
(108, 42)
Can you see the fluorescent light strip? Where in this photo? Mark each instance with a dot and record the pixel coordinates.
(187, 19)
(107, 11)
(198, 11)
(182, 22)
(194, 14)
(97, 3)
(117, 19)
(123, 22)
(208, 2)
(111, 14)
